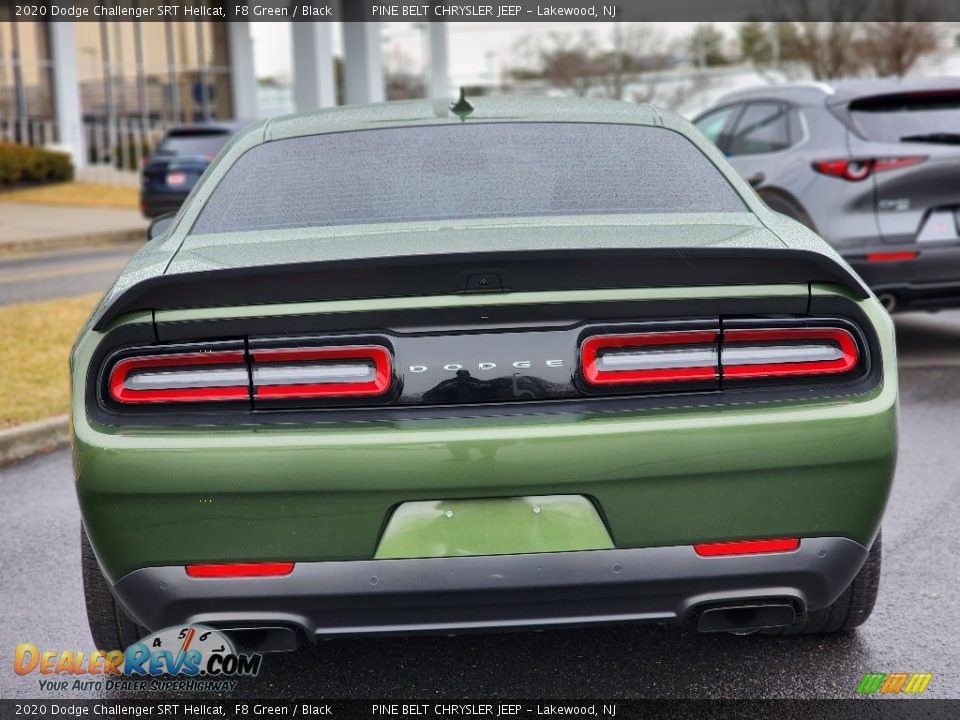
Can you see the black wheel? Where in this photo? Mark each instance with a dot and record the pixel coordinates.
(852, 608)
(785, 206)
(110, 627)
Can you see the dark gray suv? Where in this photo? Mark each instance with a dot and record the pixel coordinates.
(873, 166)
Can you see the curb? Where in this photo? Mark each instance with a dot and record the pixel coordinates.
(116, 237)
(22, 441)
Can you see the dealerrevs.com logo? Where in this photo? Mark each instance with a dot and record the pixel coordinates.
(190, 657)
(894, 683)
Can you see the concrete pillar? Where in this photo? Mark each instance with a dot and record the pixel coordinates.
(243, 78)
(314, 86)
(439, 60)
(362, 63)
(66, 91)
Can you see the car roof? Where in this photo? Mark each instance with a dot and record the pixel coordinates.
(839, 92)
(227, 126)
(485, 109)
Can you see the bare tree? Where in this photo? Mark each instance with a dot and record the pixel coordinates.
(562, 59)
(640, 53)
(766, 44)
(893, 48)
(844, 49)
(828, 48)
(579, 62)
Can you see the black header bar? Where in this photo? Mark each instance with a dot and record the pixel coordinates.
(185, 708)
(477, 10)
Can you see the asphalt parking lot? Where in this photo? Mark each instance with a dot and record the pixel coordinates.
(913, 629)
(65, 273)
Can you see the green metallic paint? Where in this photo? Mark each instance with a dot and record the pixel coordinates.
(480, 301)
(169, 496)
(497, 526)
(160, 496)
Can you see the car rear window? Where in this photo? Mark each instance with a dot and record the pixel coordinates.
(193, 142)
(928, 116)
(465, 171)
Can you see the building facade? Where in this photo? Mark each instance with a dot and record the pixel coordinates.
(97, 88)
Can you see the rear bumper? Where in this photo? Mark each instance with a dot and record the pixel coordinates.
(659, 584)
(929, 281)
(322, 495)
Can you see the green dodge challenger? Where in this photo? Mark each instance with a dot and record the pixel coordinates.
(510, 364)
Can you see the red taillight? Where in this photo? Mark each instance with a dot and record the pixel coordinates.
(747, 547)
(323, 372)
(891, 256)
(783, 352)
(856, 169)
(688, 355)
(697, 355)
(255, 569)
(215, 376)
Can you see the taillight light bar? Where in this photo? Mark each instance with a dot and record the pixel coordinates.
(701, 355)
(215, 376)
(325, 372)
(686, 355)
(747, 547)
(784, 352)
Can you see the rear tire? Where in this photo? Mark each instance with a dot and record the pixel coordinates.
(109, 625)
(851, 609)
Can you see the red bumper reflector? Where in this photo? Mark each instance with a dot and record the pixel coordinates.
(650, 357)
(891, 256)
(257, 569)
(747, 547)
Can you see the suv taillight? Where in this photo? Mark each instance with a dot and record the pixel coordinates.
(856, 169)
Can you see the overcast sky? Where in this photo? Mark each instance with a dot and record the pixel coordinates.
(478, 50)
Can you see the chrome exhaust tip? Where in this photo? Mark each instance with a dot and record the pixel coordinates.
(745, 619)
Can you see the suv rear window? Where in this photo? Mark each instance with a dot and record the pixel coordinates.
(465, 171)
(923, 116)
(193, 142)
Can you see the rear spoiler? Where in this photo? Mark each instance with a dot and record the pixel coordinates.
(451, 274)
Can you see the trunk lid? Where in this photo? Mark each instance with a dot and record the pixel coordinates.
(440, 259)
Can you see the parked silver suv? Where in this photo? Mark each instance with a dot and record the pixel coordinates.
(873, 166)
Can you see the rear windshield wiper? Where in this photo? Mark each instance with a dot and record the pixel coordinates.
(941, 137)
